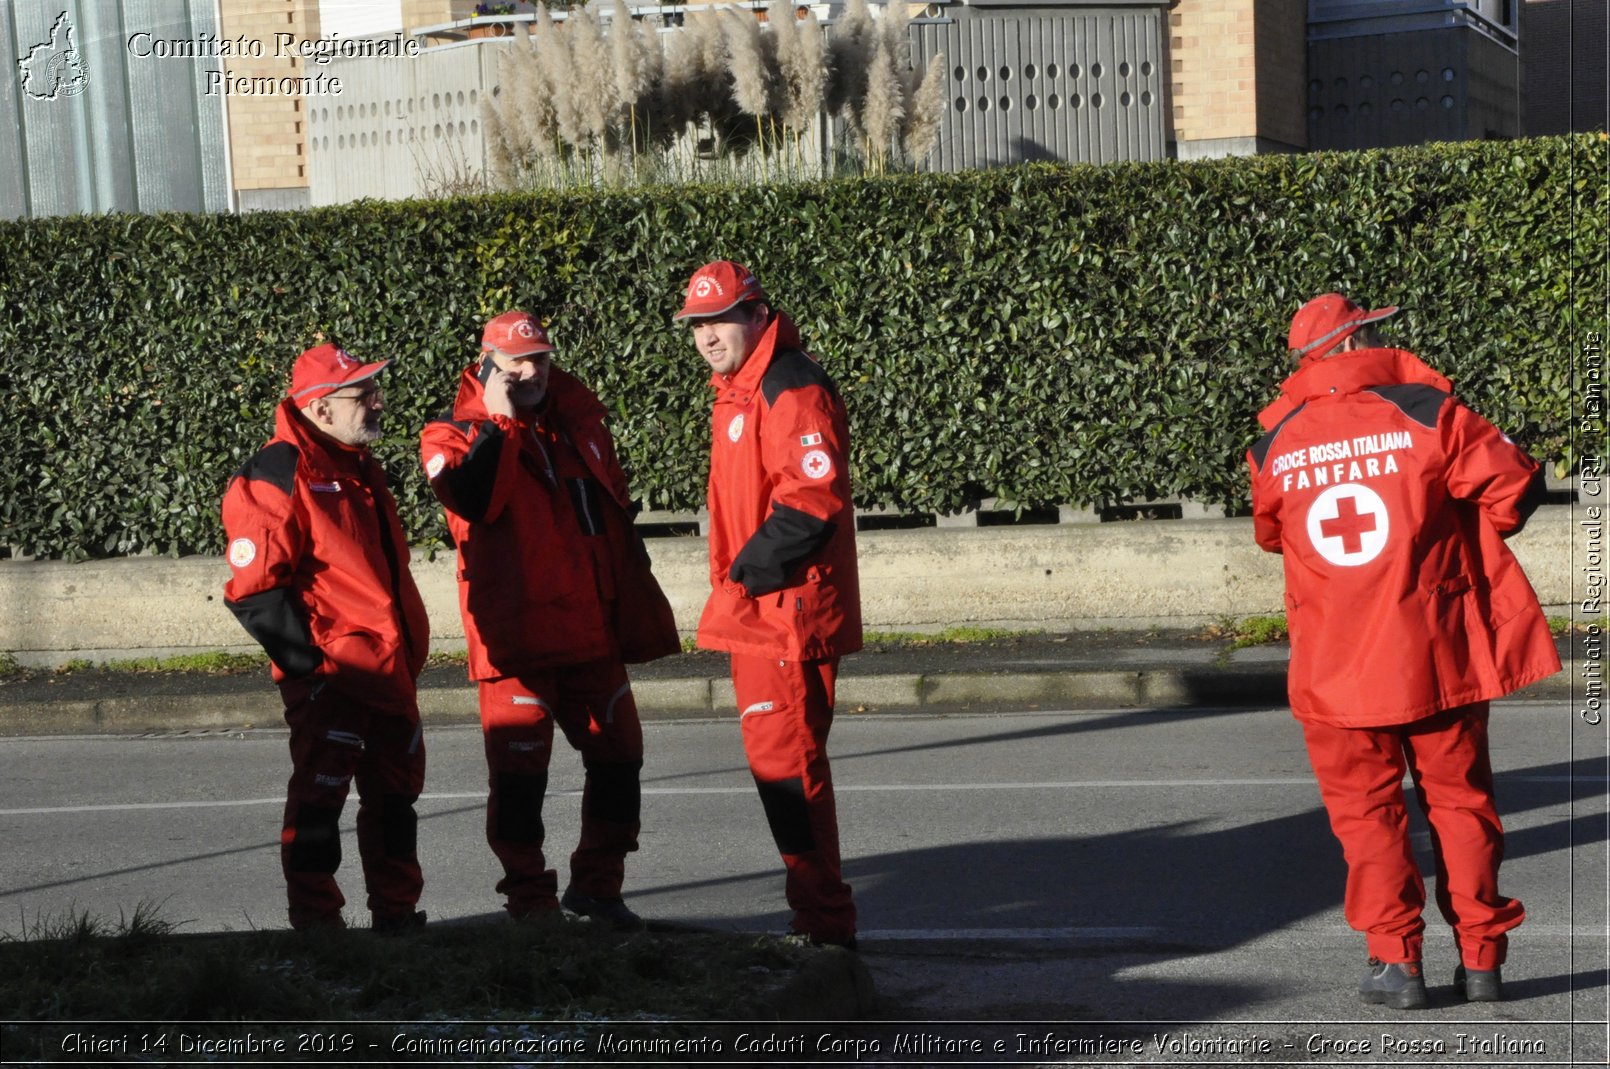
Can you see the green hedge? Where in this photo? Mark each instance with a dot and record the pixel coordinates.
(1044, 334)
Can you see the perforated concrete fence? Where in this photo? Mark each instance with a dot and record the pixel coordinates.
(1052, 82)
(401, 127)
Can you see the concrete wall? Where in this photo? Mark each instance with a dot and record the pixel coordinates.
(403, 127)
(1181, 573)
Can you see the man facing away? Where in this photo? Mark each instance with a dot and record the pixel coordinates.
(319, 577)
(557, 596)
(785, 598)
(1390, 501)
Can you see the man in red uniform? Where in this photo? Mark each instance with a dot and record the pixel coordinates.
(1390, 501)
(320, 578)
(785, 599)
(557, 597)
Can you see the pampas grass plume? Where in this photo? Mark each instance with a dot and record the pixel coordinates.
(745, 60)
(926, 113)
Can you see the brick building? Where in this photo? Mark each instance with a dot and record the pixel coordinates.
(267, 133)
(1237, 76)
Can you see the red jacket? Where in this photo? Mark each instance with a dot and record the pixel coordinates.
(551, 571)
(1390, 501)
(320, 565)
(782, 528)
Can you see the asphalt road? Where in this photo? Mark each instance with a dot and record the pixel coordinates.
(1124, 876)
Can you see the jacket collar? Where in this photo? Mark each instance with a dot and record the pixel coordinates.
(1349, 373)
(319, 451)
(780, 335)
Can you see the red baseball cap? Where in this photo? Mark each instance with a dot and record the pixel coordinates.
(718, 286)
(326, 368)
(1320, 325)
(515, 334)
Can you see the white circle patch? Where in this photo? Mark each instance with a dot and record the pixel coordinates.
(434, 466)
(735, 429)
(816, 464)
(1348, 524)
(242, 551)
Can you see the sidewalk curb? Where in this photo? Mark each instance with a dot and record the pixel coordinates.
(1156, 689)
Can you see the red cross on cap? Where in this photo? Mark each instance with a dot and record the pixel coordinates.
(718, 286)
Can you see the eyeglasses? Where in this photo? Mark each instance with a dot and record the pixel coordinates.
(364, 397)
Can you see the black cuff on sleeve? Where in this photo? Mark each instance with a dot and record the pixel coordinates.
(785, 541)
(1536, 493)
(274, 618)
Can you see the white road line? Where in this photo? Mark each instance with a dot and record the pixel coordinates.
(1013, 934)
(1536, 932)
(843, 788)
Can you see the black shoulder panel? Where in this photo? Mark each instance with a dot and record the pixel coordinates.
(1419, 402)
(446, 416)
(1260, 448)
(274, 464)
(791, 370)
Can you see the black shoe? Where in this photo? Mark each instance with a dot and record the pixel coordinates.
(322, 922)
(1479, 985)
(397, 923)
(610, 911)
(1400, 985)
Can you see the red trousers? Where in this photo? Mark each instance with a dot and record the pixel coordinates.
(594, 707)
(336, 740)
(1360, 773)
(786, 709)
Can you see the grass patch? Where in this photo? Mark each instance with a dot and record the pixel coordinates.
(214, 663)
(9, 668)
(1561, 626)
(949, 634)
(1249, 631)
(918, 638)
(76, 968)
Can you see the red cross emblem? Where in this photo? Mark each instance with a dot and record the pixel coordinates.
(816, 464)
(1349, 524)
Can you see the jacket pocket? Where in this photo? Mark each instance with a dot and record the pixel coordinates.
(359, 665)
(815, 601)
(1459, 651)
(1449, 588)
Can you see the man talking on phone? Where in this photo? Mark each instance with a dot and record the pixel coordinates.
(557, 597)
